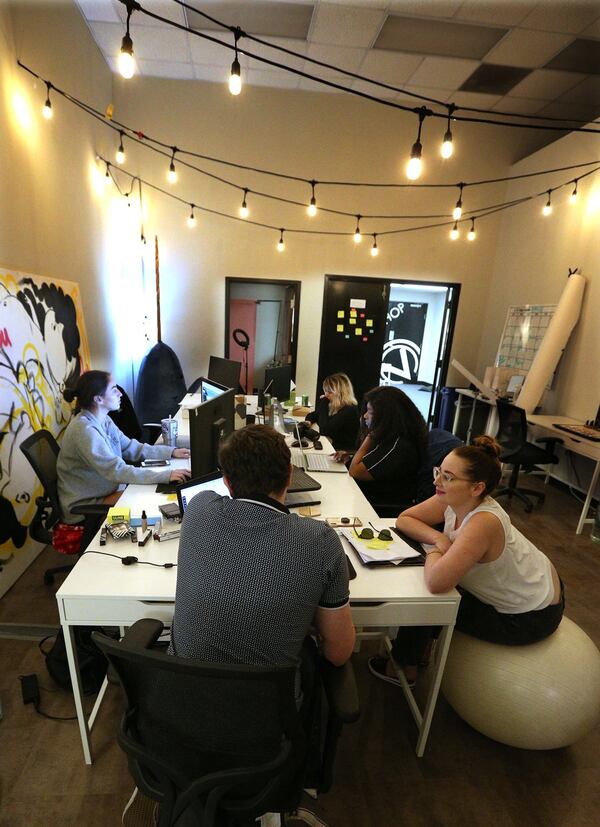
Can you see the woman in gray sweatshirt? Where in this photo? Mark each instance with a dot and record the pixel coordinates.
(93, 456)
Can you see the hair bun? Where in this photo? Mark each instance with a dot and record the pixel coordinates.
(488, 444)
(69, 394)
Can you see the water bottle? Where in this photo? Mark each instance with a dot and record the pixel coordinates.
(595, 535)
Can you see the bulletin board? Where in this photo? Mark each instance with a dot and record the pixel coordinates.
(524, 329)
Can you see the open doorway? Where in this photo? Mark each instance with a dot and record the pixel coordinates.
(261, 326)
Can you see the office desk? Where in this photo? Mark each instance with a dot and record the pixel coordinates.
(101, 591)
(483, 415)
(543, 425)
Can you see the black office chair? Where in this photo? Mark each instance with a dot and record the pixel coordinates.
(41, 450)
(217, 744)
(439, 445)
(516, 451)
(127, 421)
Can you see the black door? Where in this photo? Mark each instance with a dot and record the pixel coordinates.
(353, 330)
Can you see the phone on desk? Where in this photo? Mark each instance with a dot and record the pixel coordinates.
(155, 463)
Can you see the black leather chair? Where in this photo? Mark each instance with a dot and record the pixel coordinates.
(41, 450)
(127, 421)
(217, 744)
(516, 451)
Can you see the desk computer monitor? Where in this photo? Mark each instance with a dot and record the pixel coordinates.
(224, 371)
(278, 382)
(210, 422)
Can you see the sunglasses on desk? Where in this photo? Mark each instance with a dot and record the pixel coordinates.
(384, 534)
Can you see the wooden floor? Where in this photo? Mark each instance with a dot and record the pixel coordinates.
(464, 778)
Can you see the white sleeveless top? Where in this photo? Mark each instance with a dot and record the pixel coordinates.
(518, 581)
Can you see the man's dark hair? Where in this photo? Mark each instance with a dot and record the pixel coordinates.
(395, 415)
(256, 461)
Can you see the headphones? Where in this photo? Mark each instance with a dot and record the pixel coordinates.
(241, 338)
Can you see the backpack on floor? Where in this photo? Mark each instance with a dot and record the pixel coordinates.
(92, 663)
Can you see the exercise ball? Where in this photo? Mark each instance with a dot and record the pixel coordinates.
(541, 696)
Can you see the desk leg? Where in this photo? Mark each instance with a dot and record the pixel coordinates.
(588, 499)
(77, 693)
(443, 646)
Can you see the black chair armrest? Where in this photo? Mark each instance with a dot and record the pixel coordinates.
(91, 509)
(144, 633)
(550, 441)
(339, 684)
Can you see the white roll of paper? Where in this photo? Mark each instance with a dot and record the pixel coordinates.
(554, 342)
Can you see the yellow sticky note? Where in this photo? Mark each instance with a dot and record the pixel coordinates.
(352, 321)
(369, 323)
(341, 314)
(353, 312)
(340, 328)
(358, 331)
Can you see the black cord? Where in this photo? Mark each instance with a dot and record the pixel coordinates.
(130, 560)
(52, 717)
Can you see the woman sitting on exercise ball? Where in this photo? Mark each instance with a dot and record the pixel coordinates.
(393, 448)
(336, 412)
(510, 591)
(93, 453)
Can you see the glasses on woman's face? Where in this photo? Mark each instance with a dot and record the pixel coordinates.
(446, 476)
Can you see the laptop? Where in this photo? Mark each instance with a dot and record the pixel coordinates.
(314, 461)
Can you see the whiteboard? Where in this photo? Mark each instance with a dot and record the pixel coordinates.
(524, 329)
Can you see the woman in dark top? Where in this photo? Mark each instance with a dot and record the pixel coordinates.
(336, 413)
(393, 449)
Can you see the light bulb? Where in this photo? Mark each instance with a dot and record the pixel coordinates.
(172, 174)
(447, 147)
(106, 177)
(280, 243)
(120, 154)
(374, 249)
(191, 222)
(457, 211)
(573, 196)
(454, 233)
(547, 209)
(471, 234)
(235, 78)
(244, 211)
(126, 61)
(414, 167)
(357, 236)
(312, 207)
(47, 109)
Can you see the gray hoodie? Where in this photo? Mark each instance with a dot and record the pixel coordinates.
(91, 462)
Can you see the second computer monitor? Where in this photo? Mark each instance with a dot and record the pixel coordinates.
(210, 422)
(225, 372)
(278, 382)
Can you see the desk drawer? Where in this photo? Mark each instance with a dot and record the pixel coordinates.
(115, 612)
(426, 613)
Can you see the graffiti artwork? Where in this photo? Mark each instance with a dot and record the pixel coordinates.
(405, 325)
(43, 347)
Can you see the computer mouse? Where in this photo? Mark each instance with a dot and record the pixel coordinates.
(345, 520)
(317, 445)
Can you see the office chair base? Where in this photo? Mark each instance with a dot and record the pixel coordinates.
(49, 573)
(522, 494)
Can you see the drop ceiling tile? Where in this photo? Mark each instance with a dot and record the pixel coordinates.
(99, 10)
(169, 43)
(346, 25)
(163, 8)
(505, 13)
(272, 18)
(492, 79)
(206, 52)
(378, 91)
(523, 47)
(444, 95)
(582, 55)
(520, 106)
(475, 99)
(437, 37)
(298, 46)
(280, 80)
(566, 17)
(545, 84)
(312, 86)
(108, 36)
(562, 109)
(390, 67)
(166, 69)
(593, 30)
(425, 8)
(212, 74)
(445, 72)
(344, 58)
(587, 91)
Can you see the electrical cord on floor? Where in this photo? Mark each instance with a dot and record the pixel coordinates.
(30, 691)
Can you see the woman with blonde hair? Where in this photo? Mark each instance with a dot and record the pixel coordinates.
(336, 413)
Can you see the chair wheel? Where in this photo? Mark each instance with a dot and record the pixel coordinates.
(48, 579)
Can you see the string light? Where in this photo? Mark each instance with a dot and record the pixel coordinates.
(244, 211)
(374, 249)
(471, 235)
(191, 222)
(573, 196)
(447, 148)
(454, 233)
(547, 209)
(107, 175)
(120, 154)
(47, 109)
(357, 233)
(281, 242)
(414, 167)
(235, 78)
(126, 60)
(312, 207)
(457, 211)
(172, 173)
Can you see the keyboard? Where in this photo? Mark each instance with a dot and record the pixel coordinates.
(318, 462)
(584, 431)
(302, 482)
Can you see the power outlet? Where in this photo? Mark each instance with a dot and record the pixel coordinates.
(30, 689)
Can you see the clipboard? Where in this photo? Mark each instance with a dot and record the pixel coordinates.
(410, 561)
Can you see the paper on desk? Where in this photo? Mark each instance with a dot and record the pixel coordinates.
(375, 551)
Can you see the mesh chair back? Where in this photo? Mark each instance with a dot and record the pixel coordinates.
(512, 430)
(41, 450)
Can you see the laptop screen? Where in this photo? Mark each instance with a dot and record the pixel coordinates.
(212, 482)
(210, 390)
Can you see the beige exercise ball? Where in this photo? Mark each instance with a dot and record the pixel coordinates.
(541, 696)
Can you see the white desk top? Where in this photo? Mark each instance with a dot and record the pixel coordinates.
(579, 445)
